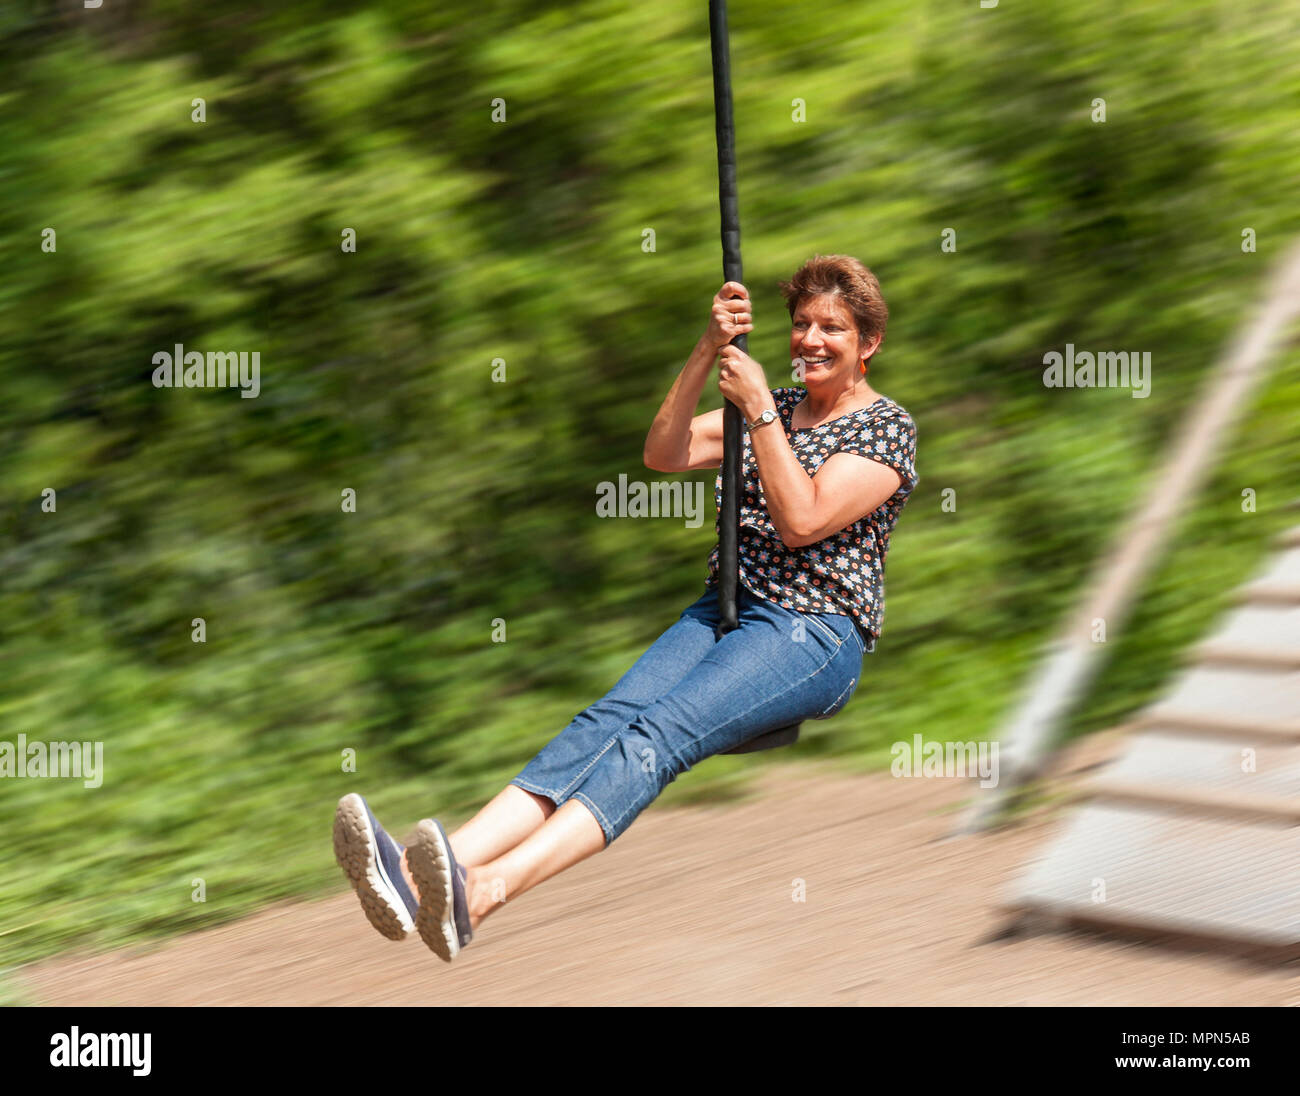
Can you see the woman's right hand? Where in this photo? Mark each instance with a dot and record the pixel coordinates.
(729, 317)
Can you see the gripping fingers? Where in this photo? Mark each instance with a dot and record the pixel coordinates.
(731, 313)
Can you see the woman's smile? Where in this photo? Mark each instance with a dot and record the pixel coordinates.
(824, 337)
(817, 363)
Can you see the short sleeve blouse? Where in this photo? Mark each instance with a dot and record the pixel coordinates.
(845, 572)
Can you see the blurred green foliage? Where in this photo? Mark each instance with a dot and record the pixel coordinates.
(522, 241)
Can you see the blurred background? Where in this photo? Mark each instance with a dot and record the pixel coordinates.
(476, 240)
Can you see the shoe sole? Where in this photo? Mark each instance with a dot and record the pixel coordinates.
(357, 852)
(430, 863)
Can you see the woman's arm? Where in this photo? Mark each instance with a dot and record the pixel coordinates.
(803, 508)
(679, 440)
(806, 509)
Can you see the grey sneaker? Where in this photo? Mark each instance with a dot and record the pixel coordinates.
(443, 916)
(372, 861)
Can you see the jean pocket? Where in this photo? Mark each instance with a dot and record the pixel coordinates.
(841, 700)
(827, 633)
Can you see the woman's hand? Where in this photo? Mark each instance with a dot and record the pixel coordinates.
(729, 318)
(742, 381)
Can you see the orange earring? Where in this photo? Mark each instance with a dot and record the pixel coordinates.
(864, 365)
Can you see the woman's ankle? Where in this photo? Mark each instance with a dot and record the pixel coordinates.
(485, 892)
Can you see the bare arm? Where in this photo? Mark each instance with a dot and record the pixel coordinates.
(806, 509)
(680, 440)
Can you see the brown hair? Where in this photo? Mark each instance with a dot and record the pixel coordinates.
(846, 276)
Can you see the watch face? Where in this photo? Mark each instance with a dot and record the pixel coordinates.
(769, 415)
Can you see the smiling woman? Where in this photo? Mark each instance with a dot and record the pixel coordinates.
(793, 603)
(821, 493)
(832, 299)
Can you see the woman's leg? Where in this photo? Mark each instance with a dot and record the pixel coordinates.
(564, 762)
(522, 806)
(510, 816)
(776, 668)
(569, 835)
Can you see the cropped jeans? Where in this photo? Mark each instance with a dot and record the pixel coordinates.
(689, 697)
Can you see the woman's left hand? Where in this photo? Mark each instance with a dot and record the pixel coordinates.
(742, 381)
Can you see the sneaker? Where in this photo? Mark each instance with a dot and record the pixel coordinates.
(443, 917)
(372, 861)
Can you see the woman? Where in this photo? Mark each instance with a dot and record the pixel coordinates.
(826, 474)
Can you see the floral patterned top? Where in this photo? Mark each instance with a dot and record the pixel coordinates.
(842, 573)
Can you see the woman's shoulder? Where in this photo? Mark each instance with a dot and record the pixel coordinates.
(885, 408)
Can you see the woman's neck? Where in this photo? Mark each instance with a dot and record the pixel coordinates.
(821, 404)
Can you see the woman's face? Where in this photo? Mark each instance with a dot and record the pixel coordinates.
(824, 334)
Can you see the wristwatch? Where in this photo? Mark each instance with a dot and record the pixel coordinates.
(767, 416)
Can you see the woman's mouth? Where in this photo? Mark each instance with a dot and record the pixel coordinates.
(815, 361)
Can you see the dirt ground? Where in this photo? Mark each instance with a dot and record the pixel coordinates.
(694, 906)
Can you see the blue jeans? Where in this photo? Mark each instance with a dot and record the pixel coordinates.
(689, 697)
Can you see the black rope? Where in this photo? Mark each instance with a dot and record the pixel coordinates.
(732, 421)
(732, 271)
